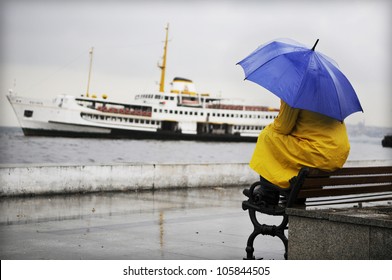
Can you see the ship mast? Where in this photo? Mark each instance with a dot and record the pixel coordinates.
(163, 66)
(89, 72)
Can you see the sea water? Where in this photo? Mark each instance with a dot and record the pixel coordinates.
(15, 148)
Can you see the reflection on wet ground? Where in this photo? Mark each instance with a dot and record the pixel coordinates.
(176, 224)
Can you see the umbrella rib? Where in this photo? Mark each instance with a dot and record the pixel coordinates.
(333, 77)
(300, 87)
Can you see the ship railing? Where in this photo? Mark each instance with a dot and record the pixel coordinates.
(125, 111)
(241, 107)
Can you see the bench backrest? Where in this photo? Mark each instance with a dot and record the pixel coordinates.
(373, 183)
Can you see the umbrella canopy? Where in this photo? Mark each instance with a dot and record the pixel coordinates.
(302, 77)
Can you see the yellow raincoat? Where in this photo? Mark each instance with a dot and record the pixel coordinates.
(299, 138)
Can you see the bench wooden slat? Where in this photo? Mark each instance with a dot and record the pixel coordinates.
(348, 180)
(351, 171)
(337, 191)
(350, 200)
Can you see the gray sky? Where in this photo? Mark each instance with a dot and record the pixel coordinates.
(45, 44)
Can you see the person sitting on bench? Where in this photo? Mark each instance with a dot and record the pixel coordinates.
(295, 139)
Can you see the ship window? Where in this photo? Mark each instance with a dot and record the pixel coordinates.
(171, 111)
(155, 110)
(160, 110)
(152, 122)
(191, 113)
(195, 113)
(171, 97)
(166, 97)
(142, 121)
(136, 121)
(176, 112)
(186, 112)
(28, 113)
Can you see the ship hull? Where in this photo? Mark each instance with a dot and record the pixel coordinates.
(134, 134)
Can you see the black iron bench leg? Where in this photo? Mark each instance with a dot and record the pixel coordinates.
(265, 230)
(249, 246)
(256, 231)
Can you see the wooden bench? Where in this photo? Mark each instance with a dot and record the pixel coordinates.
(346, 185)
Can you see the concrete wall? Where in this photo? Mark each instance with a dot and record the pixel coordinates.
(57, 179)
(53, 179)
(340, 234)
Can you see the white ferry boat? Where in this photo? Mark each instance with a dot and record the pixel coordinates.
(181, 113)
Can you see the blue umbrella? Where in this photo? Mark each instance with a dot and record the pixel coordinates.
(302, 77)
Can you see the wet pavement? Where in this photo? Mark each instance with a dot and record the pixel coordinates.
(191, 224)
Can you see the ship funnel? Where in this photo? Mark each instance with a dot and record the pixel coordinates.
(183, 86)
